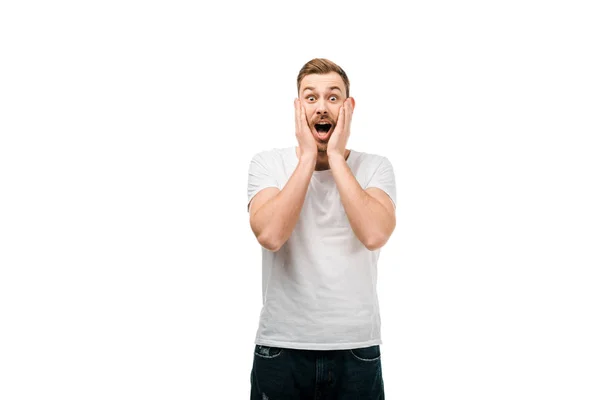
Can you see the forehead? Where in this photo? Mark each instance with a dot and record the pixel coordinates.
(322, 82)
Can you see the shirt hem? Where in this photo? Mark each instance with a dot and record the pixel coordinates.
(317, 346)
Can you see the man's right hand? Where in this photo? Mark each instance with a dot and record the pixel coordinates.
(273, 212)
(306, 141)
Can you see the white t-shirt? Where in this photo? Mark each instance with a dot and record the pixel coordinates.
(320, 288)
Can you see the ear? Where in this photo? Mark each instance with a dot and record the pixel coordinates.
(352, 102)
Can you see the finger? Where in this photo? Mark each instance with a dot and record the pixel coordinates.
(341, 123)
(297, 114)
(349, 112)
(303, 119)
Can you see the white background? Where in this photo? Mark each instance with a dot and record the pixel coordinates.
(128, 269)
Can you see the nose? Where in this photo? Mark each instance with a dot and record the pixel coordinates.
(321, 107)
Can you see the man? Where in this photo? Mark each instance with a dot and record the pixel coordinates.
(321, 213)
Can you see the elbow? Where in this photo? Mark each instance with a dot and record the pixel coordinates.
(372, 246)
(375, 242)
(270, 243)
(266, 238)
(378, 239)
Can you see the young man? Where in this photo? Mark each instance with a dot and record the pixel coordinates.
(321, 213)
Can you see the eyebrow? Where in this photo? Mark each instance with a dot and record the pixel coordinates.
(331, 88)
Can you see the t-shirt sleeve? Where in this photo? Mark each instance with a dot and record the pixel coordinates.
(260, 176)
(384, 179)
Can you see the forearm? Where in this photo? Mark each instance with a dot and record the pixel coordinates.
(368, 218)
(275, 220)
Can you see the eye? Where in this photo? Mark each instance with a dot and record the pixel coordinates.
(310, 98)
(333, 98)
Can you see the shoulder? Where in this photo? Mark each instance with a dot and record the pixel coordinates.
(274, 154)
(369, 160)
(273, 161)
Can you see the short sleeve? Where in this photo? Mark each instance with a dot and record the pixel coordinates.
(260, 176)
(384, 179)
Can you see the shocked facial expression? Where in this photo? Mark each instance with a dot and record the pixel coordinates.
(322, 95)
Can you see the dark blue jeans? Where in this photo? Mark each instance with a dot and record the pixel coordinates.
(290, 374)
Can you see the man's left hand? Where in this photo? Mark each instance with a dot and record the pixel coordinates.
(341, 133)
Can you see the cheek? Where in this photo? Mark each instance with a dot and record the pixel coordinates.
(334, 114)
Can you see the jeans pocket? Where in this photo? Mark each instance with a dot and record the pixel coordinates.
(267, 351)
(368, 354)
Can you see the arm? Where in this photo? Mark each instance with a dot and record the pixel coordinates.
(274, 213)
(371, 212)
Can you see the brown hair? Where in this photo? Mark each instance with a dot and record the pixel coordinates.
(322, 66)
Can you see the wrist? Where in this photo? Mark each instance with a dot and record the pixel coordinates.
(307, 158)
(335, 156)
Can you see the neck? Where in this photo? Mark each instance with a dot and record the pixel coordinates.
(323, 160)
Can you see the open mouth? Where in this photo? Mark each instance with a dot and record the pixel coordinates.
(322, 129)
